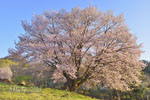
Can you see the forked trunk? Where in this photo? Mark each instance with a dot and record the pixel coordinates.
(71, 85)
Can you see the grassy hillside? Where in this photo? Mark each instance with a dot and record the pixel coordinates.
(15, 92)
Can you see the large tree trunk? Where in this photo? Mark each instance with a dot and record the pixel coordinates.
(74, 84)
(71, 85)
(118, 94)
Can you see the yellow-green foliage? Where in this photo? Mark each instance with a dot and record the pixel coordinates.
(25, 65)
(44, 94)
(6, 63)
(19, 79)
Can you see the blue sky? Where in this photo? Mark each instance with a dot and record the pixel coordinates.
(136, 12)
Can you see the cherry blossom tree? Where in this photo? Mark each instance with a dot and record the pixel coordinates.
(83, 46)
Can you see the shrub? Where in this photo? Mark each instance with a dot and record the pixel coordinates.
(22, 79)
(5, 71)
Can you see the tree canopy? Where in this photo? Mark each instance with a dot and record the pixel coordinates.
(82, 47)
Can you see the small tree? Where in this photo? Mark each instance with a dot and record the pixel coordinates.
(5, 71)
(83, 46)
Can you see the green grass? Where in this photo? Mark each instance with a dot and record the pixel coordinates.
(15, 92)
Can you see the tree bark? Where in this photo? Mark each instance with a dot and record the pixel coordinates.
(73, 84)
(118, 94)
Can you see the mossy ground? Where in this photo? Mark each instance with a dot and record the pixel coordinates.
(15, 92)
